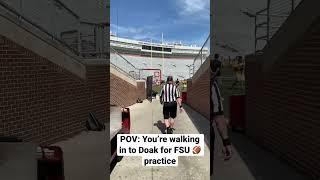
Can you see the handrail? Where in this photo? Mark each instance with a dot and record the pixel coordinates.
(202, 48)
(123, 57)
(274, 15)
(20, 16)
(134, 69)
(200, 53)
(68, 9)
(84, 39)
(96, 24)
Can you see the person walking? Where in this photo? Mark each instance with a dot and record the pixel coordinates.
(216, 112)
(177, 82)
(170, 98)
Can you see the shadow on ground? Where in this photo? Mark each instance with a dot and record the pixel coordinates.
(160, 126)
(262, 164)
(201, 124)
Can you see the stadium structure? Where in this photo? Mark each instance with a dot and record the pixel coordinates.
(142, 58)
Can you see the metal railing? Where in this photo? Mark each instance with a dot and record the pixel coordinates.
(270, 19)
(122, 64)
(61, 24)
(201, 56)
(90, 40)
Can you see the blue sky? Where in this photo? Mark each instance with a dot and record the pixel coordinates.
(179, 20)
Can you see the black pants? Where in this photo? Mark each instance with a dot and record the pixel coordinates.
(212, 138)
(212, 133)
(170, 110)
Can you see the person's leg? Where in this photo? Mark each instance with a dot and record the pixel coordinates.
(220, 121)
(166, 117)
(212, 133)
(223, 132)
(171, 123)
(212, 139)
(173, 114)
(221, 126)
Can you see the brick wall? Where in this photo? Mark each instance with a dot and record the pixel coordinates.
(42, 102)
(98, 86)
(122, 93)
(198, 94)
(283, 104)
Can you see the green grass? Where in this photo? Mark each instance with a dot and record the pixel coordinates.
(157, 88)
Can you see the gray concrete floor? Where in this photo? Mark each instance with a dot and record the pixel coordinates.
(250, 162)
(146, 118)
(85, 156)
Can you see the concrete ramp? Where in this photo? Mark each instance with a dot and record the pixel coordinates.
(147, 118)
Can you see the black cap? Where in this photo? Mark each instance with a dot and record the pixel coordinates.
(169, 78)
(216, 56)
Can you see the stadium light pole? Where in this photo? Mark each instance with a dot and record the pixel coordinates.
(151, 51)
(162, 55)
(117, 24)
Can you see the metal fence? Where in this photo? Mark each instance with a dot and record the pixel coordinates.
(201, 56)
(270, 19)
(122, 64)
(60, 23)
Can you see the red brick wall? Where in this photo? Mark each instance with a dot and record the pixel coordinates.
(98, 86)
(122, 93)
(198, 94)
(40, 101)
(283, 108)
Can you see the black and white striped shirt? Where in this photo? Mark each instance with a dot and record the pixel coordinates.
(169, 93)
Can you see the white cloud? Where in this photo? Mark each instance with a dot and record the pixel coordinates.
(125, 30)
(144, 32)
(194, 7)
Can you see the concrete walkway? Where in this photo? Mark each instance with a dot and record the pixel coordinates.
(146, 118)
(250, 162)
(85, 156)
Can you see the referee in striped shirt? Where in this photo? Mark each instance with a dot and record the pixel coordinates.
(170, 98)
(217, 114)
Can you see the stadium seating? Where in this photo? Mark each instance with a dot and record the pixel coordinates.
(172, 66)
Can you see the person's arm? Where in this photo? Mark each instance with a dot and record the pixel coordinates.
(179, 100)
(161, 96)
(215, 73)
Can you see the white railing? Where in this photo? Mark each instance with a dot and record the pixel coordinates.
(122, 64)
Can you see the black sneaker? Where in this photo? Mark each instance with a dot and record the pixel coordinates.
(171, 131)
(168, 130)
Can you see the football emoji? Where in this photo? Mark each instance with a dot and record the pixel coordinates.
(196, 149)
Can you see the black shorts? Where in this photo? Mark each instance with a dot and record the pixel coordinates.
(169, 110)
(216, 104)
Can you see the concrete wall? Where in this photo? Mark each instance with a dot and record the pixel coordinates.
(198, 91)
(141, 89)
(43, 102)
(90, 10)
